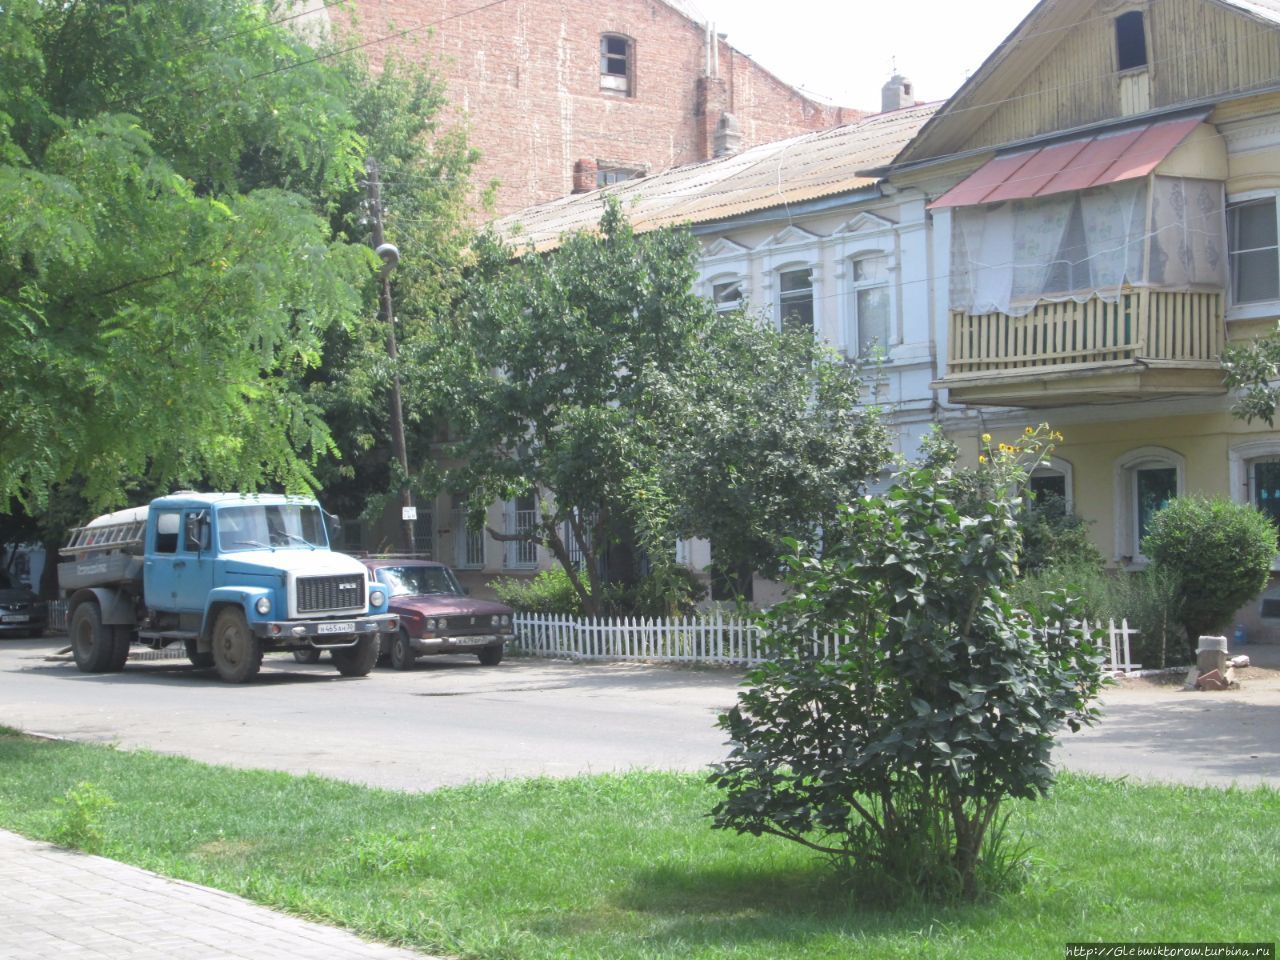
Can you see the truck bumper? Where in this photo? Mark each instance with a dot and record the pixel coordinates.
(326, 634)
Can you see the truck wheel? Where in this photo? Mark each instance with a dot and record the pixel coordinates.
(307, 656)
(237, 653)
(490, 656)
(357, 661)
(122, 640)
(199, 658)
(401, 650)
(92, 643)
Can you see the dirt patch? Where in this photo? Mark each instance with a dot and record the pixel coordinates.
(1259, 682)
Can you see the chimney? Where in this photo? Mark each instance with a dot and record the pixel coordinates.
(896, 94)
(728, 136)
(584, 176)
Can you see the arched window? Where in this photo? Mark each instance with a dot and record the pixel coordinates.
(1146, 480)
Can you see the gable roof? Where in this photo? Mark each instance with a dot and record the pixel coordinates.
(806, 167)
(1014, 58)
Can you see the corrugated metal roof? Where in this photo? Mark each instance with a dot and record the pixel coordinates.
(800, 168)
(1071, 164)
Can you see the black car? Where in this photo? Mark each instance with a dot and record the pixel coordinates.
(22, 613)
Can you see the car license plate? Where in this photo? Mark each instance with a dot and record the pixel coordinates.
(346, 627)
(15, 618)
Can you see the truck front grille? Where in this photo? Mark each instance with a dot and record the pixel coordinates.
(461, 626)
(320, 594)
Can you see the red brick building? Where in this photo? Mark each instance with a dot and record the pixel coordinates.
(612, 89)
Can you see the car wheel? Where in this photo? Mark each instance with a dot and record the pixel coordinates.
(307, 656)
(93, 643)
(402, 655)
(199, 658)
(490, 656)
(237, 653)
(357, 661)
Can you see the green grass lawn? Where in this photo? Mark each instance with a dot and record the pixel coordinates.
(627, 867)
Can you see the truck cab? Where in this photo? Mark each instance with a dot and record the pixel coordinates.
(228, 575)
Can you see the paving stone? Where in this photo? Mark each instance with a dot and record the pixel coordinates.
(73, 906)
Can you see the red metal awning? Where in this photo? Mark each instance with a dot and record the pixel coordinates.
(1071, 165)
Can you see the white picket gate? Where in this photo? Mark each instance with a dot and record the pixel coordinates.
(713, 639)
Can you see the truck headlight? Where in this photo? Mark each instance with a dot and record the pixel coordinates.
(377, 598)
(263, 606)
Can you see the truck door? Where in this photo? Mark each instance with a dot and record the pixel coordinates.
(178, 573)
(194, 563)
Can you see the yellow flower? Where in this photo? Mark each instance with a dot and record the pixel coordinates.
(1029, 431)
(981, 458)
(986, 438)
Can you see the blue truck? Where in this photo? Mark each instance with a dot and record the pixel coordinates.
(230, 576)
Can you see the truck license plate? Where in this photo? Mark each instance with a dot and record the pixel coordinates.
(347, 627)
(15, 618)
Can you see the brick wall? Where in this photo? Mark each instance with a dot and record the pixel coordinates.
(524, 75)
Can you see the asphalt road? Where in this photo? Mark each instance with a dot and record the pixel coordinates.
(452, 721)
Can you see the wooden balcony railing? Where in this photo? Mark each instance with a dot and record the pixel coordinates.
(1141, 325)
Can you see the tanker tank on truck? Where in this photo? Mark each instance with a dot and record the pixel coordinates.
(228, 575)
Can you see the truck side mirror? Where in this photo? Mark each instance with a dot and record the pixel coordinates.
(196, 532)
(335, 527)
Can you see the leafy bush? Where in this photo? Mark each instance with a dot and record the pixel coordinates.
(550, 591)
(80, 817)
(1218, 551)
(1149, 599)
(894, 757)
(1052, 534)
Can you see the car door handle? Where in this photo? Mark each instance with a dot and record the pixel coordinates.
(179, 564)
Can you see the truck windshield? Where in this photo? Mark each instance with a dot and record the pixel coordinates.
(419, 581)
(282, 526)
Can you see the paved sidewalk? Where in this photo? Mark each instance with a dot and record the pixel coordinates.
(57, 903)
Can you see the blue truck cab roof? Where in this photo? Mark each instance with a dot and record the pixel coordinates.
(189, 498)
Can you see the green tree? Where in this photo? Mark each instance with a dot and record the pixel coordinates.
(601, 381)
(894, 756)
(775, 435)
(1218, 551)
(168, 265)
(424, 172)
(1254, 370)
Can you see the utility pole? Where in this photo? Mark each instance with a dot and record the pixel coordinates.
(390, 257)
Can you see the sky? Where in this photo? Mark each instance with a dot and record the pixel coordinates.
(843, 51)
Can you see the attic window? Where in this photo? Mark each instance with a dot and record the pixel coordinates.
(617, 63)
(1131, 41)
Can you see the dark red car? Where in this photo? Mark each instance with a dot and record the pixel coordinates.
(436, 614)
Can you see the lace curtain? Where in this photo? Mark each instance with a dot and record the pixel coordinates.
(1161, 232)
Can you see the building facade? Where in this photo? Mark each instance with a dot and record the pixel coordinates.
(563, 93)
(1103, 197)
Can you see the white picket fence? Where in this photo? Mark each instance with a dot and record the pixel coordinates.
(712, 640)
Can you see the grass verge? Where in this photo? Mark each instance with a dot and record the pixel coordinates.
(626, 866)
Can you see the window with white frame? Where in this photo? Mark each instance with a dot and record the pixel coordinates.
(870, 305)
(521, 517)
(795, 300)
(617, 64)
(1045, 484)
(1253, 250)
(726, 295)
(1254, 470)
(1146, 481)
(468, 541)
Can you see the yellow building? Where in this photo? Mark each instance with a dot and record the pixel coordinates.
(1103, 194)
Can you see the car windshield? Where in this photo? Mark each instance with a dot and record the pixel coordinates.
(278, 525)
(419, 581)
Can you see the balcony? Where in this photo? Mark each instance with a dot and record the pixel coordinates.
(1146, 345)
